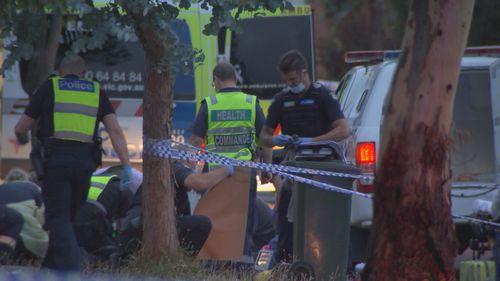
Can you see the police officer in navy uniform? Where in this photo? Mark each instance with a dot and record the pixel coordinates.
(307, 112)
(69, 109)
(192, 230)
(106, 203)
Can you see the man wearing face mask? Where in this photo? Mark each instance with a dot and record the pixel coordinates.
(304, 109)
(307, 112)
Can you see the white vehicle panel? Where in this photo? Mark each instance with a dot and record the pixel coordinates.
(366, 117)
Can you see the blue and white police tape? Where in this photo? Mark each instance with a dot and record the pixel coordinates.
(168, 149)
(477, 220)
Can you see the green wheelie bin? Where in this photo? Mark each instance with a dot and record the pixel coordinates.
(321, 217)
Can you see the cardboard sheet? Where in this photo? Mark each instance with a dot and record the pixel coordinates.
(226, 204)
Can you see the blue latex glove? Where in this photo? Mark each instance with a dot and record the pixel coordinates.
(302, 140)
(126, 177)
(22, 139)
(282, 140)
(230, 170)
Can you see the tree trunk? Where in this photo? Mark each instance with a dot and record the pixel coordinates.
(413, 235)
(41, 65)
(322, 30)
(160, 233)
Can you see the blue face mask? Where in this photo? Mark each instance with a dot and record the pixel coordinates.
(297, 89)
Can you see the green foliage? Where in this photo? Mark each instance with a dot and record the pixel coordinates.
(338, 9)
(24, 21)
(222, 12)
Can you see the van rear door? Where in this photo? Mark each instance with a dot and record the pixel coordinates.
(472, 154)
(495, 105)
(473, 150)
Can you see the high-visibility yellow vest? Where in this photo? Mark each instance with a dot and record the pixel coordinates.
(97, 185)
(231, 125)
(75, 108)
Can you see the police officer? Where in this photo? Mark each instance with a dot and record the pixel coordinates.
(192, 231)
(69, 110)
(106, 202)
(307, 112)
(229, 124)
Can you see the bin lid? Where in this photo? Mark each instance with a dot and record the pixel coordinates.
(318, 151)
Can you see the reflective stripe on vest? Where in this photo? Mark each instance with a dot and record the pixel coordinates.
(97, 185)
(231, 125)
(76, 103)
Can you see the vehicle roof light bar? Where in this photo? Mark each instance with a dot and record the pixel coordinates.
(493, 51)
(377, 56)
(370, 56)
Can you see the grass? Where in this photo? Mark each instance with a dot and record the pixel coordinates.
(180, 267)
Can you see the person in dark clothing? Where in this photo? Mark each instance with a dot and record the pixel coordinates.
(192, 231)
(24, 199)
(69, 109)
(307, 112)
(106, 202)
(263, 230)
(11, 223)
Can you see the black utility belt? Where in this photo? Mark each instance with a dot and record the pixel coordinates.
(54, 143)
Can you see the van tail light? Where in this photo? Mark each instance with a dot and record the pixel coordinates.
(366, 160)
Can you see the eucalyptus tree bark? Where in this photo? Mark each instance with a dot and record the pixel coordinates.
(160, 234)
(413, 235)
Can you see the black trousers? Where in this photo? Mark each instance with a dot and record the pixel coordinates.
(284, 251)
(192, 232)
(68, 167)
(11, 222)
(94, 231)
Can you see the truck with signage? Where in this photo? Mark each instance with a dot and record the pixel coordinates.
(120, 69)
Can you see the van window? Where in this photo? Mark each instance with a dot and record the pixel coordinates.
(472, 154)
(120, 67)
(340, 92)
(255, 64)
(347, 97)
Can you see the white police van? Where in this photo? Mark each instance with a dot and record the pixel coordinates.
(475, 132)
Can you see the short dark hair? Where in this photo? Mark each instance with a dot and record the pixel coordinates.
(292, 60)
(225, 72)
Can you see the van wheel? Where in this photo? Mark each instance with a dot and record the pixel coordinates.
(301, 271)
